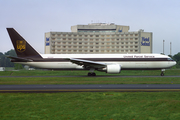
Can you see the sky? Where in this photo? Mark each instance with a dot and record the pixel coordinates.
(33, 18)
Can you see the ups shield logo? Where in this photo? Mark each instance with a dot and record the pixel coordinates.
(21, 45)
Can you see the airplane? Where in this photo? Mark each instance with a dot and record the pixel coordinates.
(109, 63)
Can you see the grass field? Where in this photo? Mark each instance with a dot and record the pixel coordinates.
(91, 106)
(104, 79)
(83, 73)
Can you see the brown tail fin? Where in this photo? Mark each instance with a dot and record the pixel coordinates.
(22, 47)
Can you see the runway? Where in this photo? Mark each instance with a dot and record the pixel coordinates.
(90, 88)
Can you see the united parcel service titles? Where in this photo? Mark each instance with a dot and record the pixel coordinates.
(138, 56)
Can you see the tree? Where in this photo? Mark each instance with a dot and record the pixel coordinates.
(176, 57)
(4, 61)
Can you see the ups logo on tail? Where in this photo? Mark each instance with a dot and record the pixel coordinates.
(21, 45)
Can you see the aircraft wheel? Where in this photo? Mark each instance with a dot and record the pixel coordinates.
(91, 74)
(162, 74)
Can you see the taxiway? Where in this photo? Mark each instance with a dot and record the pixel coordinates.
(91, 88)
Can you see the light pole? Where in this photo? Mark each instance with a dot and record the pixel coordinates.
(163, 46)
(170, 48)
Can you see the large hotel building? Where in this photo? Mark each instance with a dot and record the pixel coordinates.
(98, 38)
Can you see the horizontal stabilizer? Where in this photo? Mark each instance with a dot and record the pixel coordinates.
(18, 59)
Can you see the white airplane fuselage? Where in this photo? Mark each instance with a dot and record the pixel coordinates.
(154, 61)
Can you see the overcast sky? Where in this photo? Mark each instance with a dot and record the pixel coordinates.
(32, 18)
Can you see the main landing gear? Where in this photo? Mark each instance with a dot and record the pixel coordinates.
(162, 72)
(91, 73)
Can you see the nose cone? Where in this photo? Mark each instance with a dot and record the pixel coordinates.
(173, 63)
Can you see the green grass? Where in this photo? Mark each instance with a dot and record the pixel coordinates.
(77, 73)
(91, 106)
(90, 80)
(87, 80)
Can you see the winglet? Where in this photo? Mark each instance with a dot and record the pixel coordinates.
(22, 47)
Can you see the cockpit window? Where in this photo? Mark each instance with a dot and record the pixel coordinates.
(170, 59)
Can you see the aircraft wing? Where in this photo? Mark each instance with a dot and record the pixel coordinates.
(18, 59)
(87, 63)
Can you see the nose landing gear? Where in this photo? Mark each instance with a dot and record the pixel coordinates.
(162, 72)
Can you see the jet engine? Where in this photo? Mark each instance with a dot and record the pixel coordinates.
(114, 68)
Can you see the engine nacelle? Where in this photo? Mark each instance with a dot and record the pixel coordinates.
(114, 68)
